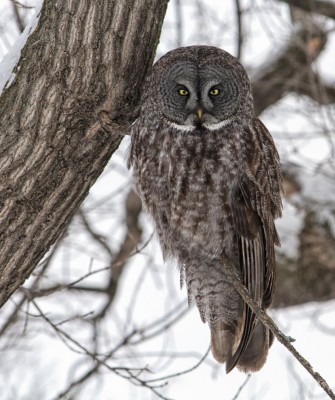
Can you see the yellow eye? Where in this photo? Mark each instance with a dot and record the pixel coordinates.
(214, 92)
(183, 92)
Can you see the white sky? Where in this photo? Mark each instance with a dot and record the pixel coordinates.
(160, 288)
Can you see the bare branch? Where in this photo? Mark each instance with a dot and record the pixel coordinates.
(184, 372)
(18, 19)
(326, 8)
(179, 23)
(95, 236)
(241, 387)
(291, 71)
(74, 284)
(267, 321)
(131, 241)
(18, 307)
(239, 29)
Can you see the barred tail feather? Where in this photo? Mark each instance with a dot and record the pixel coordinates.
(222, 342)
(254, 354)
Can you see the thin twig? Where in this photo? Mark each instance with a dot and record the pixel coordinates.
(166, 324)
(124, 372)
(239, 28)
(44, 266)
(184, 372)
(130, 243)
(99, 238)
(241, 387)
(267, 321)
(179, 23)
(18, 18)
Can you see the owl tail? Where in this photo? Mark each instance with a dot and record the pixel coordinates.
(227, 346)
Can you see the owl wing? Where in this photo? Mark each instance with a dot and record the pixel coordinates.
(255, 203)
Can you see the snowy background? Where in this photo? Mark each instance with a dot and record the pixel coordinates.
(50, 343)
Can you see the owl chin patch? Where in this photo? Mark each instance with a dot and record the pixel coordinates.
(218, 125)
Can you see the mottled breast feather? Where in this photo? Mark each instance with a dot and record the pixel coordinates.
(213, 188)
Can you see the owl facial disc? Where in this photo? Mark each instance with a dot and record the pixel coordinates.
(196, 97)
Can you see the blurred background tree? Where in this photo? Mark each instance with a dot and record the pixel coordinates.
(102, 316)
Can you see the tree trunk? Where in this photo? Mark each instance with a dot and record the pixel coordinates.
(77, 86)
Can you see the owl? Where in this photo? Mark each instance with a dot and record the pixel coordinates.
(208, 173)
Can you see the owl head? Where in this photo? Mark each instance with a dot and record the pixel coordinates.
(200, 87)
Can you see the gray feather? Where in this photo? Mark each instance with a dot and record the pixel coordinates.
(212, 183)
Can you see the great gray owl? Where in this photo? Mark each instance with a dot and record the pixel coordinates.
(208, 172)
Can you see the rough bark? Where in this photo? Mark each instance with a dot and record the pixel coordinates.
(77, 85)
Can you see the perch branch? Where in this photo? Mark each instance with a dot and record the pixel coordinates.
(268, 322)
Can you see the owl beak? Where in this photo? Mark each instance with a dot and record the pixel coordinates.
(200, 111)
